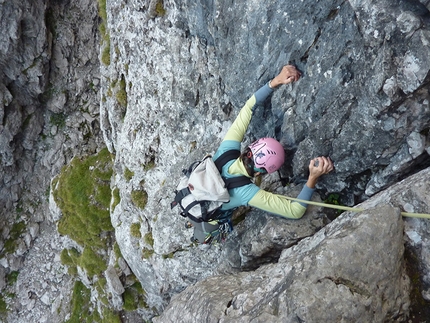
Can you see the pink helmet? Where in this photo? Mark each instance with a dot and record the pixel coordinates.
(268, 154)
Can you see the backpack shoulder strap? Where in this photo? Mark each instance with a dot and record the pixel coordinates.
(225, 158)
(233, 182)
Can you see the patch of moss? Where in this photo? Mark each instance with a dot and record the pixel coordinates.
(169, 255)
(83, 194)
(149, 239)
(135, 230)
(8, 248)
(80, 304)
(72, 271)
(10, 244)
(92, 262)
(110, 316)
(106, 52)
(121, 94)
(129, 298)
(139, 198)
(58, 119)
(104, 32)
(128, 174)
(116, 197)
(102, 9)
(89, 260)
(48, 94)
(3, 306)
(147, 253)
(12, 277)
(134, 297)
(149, 165)
(159, 8)
(18, 228)
(109, 92)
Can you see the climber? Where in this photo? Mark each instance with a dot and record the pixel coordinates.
(265, 155)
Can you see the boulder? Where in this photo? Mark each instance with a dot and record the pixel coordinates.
(351, 270)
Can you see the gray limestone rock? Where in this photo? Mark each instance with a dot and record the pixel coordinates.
(411, 195)
(352, 270)
(262, 237)
(35, 96)
(363, 100)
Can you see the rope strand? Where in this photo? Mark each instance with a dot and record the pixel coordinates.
(354, 209)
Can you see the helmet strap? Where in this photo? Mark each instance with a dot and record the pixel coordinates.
(259, 170)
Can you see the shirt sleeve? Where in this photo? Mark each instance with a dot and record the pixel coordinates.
(306, 194)
(278, 204)
(241, 123)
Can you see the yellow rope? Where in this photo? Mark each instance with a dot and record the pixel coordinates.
(356, 209)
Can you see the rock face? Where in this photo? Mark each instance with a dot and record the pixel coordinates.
(338, 274)
(363, 100)
(179, 72)
(411, 195)
(49, 107)
(341, 274)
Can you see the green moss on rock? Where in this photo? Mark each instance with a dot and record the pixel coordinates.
(139, 198)
(135, 230)
(83, 194)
